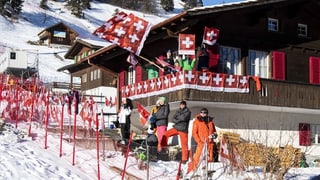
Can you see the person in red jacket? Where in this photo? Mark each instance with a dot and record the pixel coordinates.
(203, 131)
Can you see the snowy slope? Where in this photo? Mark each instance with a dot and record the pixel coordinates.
(34, 19)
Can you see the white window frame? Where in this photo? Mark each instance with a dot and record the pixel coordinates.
(84, 78)
(315, 133)
(131, 75)
(273, 24)
(258, 63)
(302, 30)
(230, 60)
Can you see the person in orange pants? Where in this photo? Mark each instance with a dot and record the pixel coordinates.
(181, 125)
(203, 131)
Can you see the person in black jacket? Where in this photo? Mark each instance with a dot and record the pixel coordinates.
(161, 118)
(181, 125)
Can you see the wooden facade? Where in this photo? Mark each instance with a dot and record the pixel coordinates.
(59, 33)
(276, 40)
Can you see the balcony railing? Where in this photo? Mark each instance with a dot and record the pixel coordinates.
(217, 87)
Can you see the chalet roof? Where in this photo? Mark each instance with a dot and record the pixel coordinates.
(80, 43)
(172, 27)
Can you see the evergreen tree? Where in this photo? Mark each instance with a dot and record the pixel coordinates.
(189, 4)
(167, 5)
(44, 4)
(17, 6)
(149, 6)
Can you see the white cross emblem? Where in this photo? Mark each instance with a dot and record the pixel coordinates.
(139, 87)
(217, 79)
(133, 38)
(187, 42)
(211, 34)
(204, 78)
(120, 32)
(243, 81)
(230, 80)
(138, 25)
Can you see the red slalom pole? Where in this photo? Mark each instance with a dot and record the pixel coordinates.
(46, 122)
(61, 124)
(74, 132)
(127, 155)
(97, 137)
(17, 104)
(34, 87)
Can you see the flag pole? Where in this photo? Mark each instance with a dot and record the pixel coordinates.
(151, 62)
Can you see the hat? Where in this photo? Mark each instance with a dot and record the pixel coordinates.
(150, 131)
(162, 99)
(204, 109)
(183, 102)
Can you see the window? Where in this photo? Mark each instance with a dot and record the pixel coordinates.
(131, 75)
(273, 24)
(315, 133)
(258, 63)
(230, 60)
(302, 30)
(12, 55)
(91, 76)
(84, 78)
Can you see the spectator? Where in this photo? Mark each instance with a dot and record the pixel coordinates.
(124, 119)
(186, 63)
(203, 131)
(161, 118)
(203, 58)
(181, 125)
(168, 59)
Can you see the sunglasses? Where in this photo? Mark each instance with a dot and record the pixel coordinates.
(204, 112)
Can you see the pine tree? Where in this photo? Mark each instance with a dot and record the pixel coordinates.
(149, 6)
(189, 4)
(44, 4)
(76, 7)
(167, 5)
(17, 6)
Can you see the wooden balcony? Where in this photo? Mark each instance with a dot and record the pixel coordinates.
(272, 93)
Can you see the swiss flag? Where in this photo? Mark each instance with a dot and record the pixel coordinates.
(139, 88)
(187, 44)
(204, 80)
(217, 83)
(191, 77)
(144, 114)
(224, 152)
(243, 85)
(231, 83)
(210, 35)
(167, 81)
(159, 83)
(127, 31)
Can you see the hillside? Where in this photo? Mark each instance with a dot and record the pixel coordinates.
(34, 19)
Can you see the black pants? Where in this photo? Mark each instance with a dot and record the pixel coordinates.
(125, 130)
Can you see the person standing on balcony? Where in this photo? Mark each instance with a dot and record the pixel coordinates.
(203, 58)
(161, 118)
(203, 131)
(187, 63)
(181, 125)
(168, 59)
(124, 119)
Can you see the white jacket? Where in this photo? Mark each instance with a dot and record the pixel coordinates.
(123, 113)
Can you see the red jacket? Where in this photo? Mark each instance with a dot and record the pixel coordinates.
(202, 129)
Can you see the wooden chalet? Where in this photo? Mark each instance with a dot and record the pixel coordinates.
(277, 41)
(58, 34)
(92, 77)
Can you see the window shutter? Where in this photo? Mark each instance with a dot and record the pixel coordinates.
(304, 134)
(121, 79)
(314, 70)
(139, 74)
(278, 65)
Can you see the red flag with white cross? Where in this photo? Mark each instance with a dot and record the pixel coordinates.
(187, 44)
